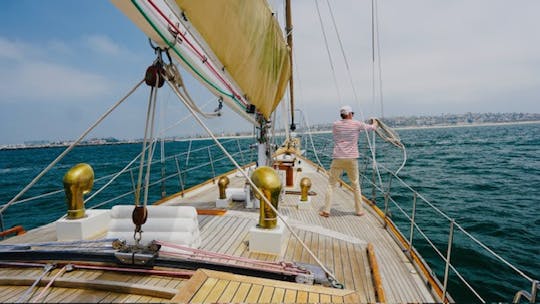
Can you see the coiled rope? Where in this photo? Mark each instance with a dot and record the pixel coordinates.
(391, 136)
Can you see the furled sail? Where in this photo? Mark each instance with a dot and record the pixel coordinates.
(247, 40)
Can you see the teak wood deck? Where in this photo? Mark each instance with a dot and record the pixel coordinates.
(339, 241)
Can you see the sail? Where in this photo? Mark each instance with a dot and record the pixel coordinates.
(247, 40)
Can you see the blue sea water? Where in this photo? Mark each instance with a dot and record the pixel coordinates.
(487, 178)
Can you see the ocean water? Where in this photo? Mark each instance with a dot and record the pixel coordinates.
(486, 178)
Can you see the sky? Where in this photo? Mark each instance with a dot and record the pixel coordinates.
(63, 63)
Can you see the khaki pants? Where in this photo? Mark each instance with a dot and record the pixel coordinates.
(350, 166)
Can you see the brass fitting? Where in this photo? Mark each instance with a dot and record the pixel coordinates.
(305, 185)
(267, 180)
(223, 182)
(78, 181)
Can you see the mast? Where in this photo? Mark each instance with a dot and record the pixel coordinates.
(288, 32)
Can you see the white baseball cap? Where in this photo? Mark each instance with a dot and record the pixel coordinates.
(345, 110)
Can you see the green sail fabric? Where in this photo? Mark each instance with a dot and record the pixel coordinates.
(246, 38)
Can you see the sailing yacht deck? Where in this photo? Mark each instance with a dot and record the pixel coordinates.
(339, 242)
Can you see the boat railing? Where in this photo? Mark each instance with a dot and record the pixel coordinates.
(442, 248)
(215, 164)
(453, 226)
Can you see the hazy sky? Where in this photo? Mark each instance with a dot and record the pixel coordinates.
(63, 63)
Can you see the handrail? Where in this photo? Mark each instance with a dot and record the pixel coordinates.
(454, 226)
(157, 182)
(113, 175)
(529, 296)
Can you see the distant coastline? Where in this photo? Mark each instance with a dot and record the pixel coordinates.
(398, 123)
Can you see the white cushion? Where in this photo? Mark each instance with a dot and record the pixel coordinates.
(175, 224)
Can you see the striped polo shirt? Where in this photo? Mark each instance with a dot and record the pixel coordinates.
(346, 133)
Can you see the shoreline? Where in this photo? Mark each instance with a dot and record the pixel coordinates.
(487, 124)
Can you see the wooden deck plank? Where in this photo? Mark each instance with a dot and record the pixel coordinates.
(254, 293)
(190, 287)
(298, 247)
(290, 296)
(329, 254)
(338, 267)
(222, 238)
(278, 295)
(314, 247)
(229, 292)
(266, 294)
(204, 290)
(302, 296)
(57, 295)
(132, 299)
(307, 241)
(217, 291)
(337, 299)
(325, 298)
(347, 265)
(13, 294)
(313, 297)
(241, 293)
(242, 236)
(209, 237)
(111, 298)
(241, 232)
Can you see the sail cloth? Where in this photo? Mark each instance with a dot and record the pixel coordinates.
(246, 38)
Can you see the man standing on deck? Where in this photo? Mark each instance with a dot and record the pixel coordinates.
(344, 157)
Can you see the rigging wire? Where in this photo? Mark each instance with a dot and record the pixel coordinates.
(357, 100)
(386, 133)
(68, 149)
(346, 61)
(248, 179)
(151, 125)
(328, 51)
(377, 43)
(311, 138)
(145, 143)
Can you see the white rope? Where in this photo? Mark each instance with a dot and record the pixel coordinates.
(151, 151)
(145, 142)
(173, 73)
(201, 123)
(66, 151)
(389, 135)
